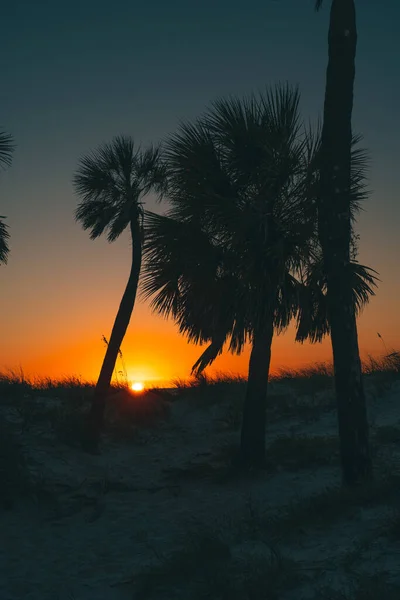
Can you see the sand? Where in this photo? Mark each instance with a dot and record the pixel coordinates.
(97, 522)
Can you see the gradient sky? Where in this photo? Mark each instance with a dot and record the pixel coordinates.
(74, 74)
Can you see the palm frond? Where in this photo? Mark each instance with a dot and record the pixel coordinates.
(152, 171)
(6, 152)
(360, 164)
(112, 181)
(312, 317)
(95, 215)
(122, 218)
(362, 281)
(199, 184)
(187, 275)
(174, 251)
(280, 105)
(236, 127)
(209, 355)
(121, 157)
(6, 148)
(4, 237)
(287, 302)
(94, 178)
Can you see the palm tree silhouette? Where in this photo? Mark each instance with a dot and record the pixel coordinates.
(112, 182)
(242, 224)
(335, 239)
(313, 316)
(6, 151)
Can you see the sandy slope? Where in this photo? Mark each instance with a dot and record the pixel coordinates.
(99, 520)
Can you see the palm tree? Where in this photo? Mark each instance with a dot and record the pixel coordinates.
(334, 226)
(6, 150)
(221, 262)
(112, 182)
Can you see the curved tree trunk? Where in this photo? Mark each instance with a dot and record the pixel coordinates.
(254, 417)
(96, 415)
(335, 234)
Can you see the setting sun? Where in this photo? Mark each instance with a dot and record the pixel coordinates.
(138, 386)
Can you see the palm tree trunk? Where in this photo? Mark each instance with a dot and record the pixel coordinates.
(254, 417)
(96, 415)
(335, 233)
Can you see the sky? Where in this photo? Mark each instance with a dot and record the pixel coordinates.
(75, 74)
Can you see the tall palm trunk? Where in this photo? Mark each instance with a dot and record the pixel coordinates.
(335, 233)
(254, 417)
(96, 415)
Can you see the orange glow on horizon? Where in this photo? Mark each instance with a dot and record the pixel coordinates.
(159, 355)
(64, 338)
(138, 386)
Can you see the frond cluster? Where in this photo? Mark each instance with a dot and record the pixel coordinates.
(112, 182)
(239, 242)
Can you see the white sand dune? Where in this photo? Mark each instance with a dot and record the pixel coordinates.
(98, 521)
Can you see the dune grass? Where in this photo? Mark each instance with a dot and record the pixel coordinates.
(309, 380)
(205, 566)
(293, 392)
(61, 406)
(302, 393)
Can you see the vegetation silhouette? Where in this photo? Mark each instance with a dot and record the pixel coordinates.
(334, 228)
(236, 257)
(260, 232)
(6, 152)
(112, 183)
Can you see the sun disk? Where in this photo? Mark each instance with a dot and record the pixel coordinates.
(138, 386)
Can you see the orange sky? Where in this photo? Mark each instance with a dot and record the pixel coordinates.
(69, 302)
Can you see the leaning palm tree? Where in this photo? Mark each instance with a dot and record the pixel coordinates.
(6, 150)
(112, 183)
(335, 239)
(222, 261)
